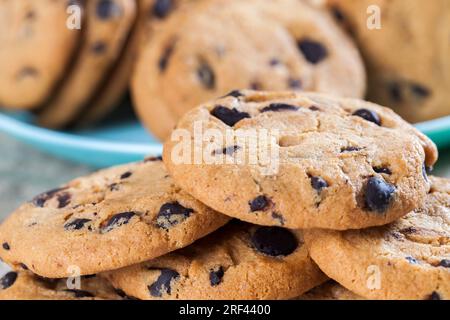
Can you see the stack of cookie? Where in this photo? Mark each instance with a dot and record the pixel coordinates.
(347, 197)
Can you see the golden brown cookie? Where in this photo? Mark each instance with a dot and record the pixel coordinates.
(208, 48)
(108, 220)
(326, 162)
(408, 259)
(330, 290)
(239, 261)
(408, 57)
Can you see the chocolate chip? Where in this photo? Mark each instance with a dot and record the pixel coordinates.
(434, 296)
(411, 260)
(378, 194)
(337, 14)
(206, 75)
(409, 230)
(277, 107)
(318, 183)
(63, 199)
(216, 275)
(368, 115)
(126, 175)
(278, 217)
(314, 108)
(229, 116)
(6, 246)
(227, 151)
(153, 159)
(445, 263)
(162, 8)
(23, 266)
(234, 93)
(171, 214)
(165, 57)
(256, 86)
(114, 186)
(163, 284)
(382, 170)
(395, 92)
(27, 72)
(98, 47)
(274, 241)
(40, 200)
(420, 91)
(76, 224)
(274, 62)
(8, 280)
(260, 203)
(350, 149)
(294, 83)
(313, 51)
(117, 220)
(80, 293)
(107, 9)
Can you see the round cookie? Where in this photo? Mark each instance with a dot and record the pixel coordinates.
(35, 49)
(26, 286)
(408, 58)
(330, 290)
(108, 220)
(408, 259)
(108, 25)
(240, 261)
(182, 65)
(326, 162)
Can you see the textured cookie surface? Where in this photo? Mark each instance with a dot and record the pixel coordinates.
(26, 286)
(330, 290)
(408, 57)
(239, 261)
(111, 219)
(266, 45)
(326, 162)
(107, 28)
(35, 48)
(408, 259)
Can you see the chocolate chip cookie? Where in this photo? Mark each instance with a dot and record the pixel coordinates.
(108, 220)
(240, 261)
(408, 259)
(35, 47)
(108, 25)
(266, 45)
(330, 290)
(26, 286)
(408, 56)
(325, 162)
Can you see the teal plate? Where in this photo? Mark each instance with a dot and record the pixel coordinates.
(123, 139)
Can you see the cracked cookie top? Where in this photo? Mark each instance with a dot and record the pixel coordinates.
(301, 160)
(408, 259)
(120, 216)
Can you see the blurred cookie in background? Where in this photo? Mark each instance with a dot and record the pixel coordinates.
(408, 57)
(208, 48)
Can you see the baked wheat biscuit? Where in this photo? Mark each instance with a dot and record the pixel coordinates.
(208, 48)
(36, 47)
(408, 57)
(108, 25)
(334, 163)
(240, 261)
(408, 259)
(108, 220)
(26, 286)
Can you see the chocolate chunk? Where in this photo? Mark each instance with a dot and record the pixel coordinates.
(314, 108)
(163, 284)
(382, 170)
(153, 159)
(114, 186)
(420, 91)
(76, 224)
(27, 72)
(294, 83)
(445, 263)
(378, 194)
(260, 203)
(227, 151)
(434, 296)
(229, 116)
(165, 57)
(234, 93)
(171, 214)
(8, 280)
(80, 293)
(6, 246)
(368, 115)
(162, 8)
(256, 86)
(106, 9)
(318, 183)
(337, 14)
(411, 260)
(40, 200)
(126, 175)
(313, 51)
(274, 62)
(117, 220)
(63, 199)
(409, 230)
(23, 266)
(99, 47)
(274, 241)
(277, 107)
(216, 275)
(350, 149)
(395, 92)
(206, 75)
(278, 217)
